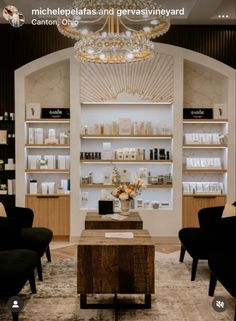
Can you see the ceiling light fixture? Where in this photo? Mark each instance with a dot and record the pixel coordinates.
(111, 31)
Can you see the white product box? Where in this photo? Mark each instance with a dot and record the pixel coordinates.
(44, 187)
(132, 154)
(10, 187)
(67, 162)
(51, 161)
(139, 203)
(38, 136)
(126, 152)
(33, 161)
(64, 184)
(125, 127)
(33, 187)
(31, 136)
(106, 146)
(51, 133)
(61, 161)
(62, 138)
(51, 187)
(119, 154)
(125, 175)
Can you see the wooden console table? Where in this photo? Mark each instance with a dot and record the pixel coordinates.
(115, 266)
(96, 221)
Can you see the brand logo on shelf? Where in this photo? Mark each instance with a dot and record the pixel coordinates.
(198, 113)
(55, 113)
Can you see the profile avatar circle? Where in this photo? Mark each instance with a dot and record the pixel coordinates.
(15, 304)
(13, 16)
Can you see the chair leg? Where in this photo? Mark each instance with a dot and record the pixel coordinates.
(194, 269)
(182, 254)
(212, 285)
(40, 270)
(32, 282)
(15, 316)
(48, 254)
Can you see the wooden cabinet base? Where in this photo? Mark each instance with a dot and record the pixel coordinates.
(51, 212)
(193, 203)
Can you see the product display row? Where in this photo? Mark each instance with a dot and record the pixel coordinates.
(127, 153)
(203, 187)
(46, 187)
(210, 162)
(37, 136)
(125, 126)
(48, 162)
(9, 188)
(205, 138)
(125, 176)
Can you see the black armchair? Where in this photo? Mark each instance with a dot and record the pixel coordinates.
(201, 242)
(16, 266)
(223, 263)
(32, 238)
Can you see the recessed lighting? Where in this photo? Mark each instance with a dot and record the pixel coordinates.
(219, 16)
(223, 16)
(227, 16)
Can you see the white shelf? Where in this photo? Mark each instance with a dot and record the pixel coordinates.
(47, 121)
(205, 121)
(29, 146)
(126, 137)
(125, 162)
(47, 171)
(216, 146)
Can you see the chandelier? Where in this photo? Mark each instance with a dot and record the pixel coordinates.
(110, 31)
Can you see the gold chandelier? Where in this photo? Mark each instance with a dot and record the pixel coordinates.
(110, 31)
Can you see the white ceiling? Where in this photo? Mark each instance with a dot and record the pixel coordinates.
(196, 11)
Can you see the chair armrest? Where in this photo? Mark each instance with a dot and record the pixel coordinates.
(224, 234)
(9, 234)
(23, 215)
(210, 216)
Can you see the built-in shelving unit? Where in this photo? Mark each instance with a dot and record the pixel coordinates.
(158, 115)
(155, 90)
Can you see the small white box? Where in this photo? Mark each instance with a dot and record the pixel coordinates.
(61, 161)
(31, 136)
(51, 133)
(119, 154)
(51, 160)
(64, 184)
(33, 187)
(132, 154)
(38, 136)
(126, 152)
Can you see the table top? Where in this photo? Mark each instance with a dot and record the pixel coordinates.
(97, 237)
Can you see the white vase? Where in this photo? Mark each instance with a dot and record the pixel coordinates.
(125, 206)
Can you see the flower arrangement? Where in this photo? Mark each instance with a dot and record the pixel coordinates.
(127, 191)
